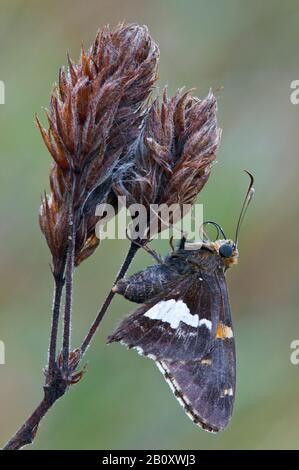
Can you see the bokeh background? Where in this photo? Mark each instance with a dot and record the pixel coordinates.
(251, 50)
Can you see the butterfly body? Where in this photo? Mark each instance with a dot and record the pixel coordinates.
(184, 325)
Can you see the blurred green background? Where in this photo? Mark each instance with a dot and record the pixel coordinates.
(251, 50)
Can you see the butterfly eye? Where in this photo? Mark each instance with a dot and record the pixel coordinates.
(226, 250)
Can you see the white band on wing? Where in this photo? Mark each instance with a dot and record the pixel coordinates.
(176, 311)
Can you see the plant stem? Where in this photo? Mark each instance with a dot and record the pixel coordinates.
(68, 293)
(26, 434)
(58, 289)
(94, 327)
(59, 383)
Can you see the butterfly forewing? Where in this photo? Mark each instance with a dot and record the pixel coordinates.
(206, 387)
(180, 324)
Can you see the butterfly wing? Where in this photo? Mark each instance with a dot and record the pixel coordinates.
(206, 387)
(179, 324)
(187, 329)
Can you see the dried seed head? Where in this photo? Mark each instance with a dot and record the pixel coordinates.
(53, 219)
(196, 139)
(95, 115)
(174, 153)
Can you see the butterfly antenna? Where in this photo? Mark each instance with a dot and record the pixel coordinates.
(217, 226)
(247, 200)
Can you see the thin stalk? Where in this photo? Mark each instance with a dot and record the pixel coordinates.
(57, 388)
(26, 434)
(58, 289)
(67, 321)
(94, 327)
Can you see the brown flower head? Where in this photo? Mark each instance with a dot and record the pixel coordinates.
(174, 153)
(95, 114)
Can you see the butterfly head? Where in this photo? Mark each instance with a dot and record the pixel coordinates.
(224, 249)
(227, 250)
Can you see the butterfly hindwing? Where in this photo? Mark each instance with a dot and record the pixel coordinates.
(205, 388)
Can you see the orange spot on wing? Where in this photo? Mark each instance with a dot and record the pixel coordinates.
(219, 330)
(224, 331)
